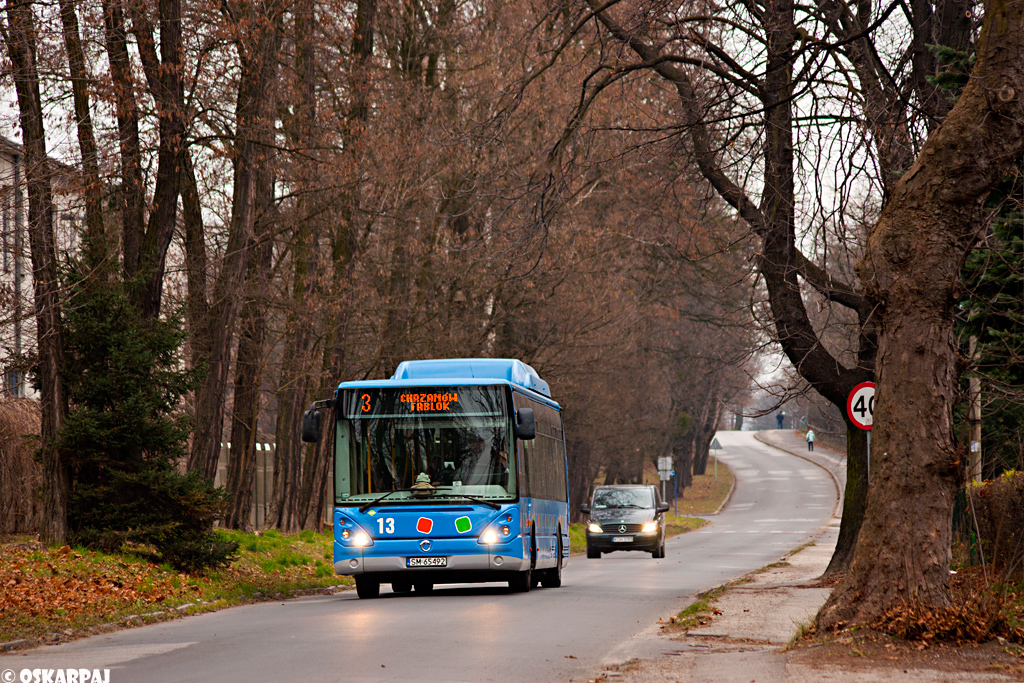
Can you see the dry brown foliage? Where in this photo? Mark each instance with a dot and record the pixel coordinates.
(998, 507)
(981, 611)
(33, 586)
(20, 475)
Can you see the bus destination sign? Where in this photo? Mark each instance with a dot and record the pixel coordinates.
(429, 403)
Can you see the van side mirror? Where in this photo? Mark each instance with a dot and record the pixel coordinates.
(311, 426)
(585, 509)
(526, 427)
(663, 507)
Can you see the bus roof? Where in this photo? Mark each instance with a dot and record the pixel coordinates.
(455, 371)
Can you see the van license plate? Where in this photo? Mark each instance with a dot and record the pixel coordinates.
(426, 562)
(622, 539)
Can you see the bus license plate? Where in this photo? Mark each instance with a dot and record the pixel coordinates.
(426, 562)
(622, 539)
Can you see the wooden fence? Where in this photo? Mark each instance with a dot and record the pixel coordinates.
(263, 484)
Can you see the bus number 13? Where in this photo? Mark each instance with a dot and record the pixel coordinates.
(386, 525)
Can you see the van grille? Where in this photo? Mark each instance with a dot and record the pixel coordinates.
(621, 528)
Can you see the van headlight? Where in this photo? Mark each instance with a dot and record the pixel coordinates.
(594, 528)
(649, 527)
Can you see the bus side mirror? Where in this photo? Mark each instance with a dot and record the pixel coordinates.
(526, 427)
(311, 426)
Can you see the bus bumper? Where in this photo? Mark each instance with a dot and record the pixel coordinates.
(389, 557)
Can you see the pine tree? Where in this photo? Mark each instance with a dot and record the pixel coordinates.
(126, 431)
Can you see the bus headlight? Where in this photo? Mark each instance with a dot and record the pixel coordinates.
(489, 536)
(649, 527)
(594, 528)
(360, 539)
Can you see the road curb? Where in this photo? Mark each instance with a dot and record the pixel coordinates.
(728, 496)
(831, 474)
(12, 644)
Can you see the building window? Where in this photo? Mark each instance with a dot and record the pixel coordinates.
(14, 383)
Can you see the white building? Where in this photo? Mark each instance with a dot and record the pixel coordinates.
(17, 318)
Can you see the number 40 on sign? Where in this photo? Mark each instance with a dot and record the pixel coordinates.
(860, 405)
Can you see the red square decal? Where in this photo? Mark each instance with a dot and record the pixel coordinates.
(424, 525)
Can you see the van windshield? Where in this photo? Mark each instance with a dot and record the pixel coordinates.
(623, 498)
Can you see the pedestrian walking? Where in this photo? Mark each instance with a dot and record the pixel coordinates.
(780, 418)
(810, 439)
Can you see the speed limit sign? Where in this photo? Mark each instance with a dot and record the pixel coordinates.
(860, 405)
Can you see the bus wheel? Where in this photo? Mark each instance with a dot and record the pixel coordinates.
(553, 577)
(401, 586)
(521, 582)
(366, 588)
(424, 587)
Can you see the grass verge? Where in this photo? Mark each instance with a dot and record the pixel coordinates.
(59, 593)
(699, 612)
(707, 494)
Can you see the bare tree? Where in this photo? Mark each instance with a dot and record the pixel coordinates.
(912, 272)
(20, 36)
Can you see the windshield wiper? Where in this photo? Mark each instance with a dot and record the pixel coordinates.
(475, 500)
(366, 506)
(635, 507)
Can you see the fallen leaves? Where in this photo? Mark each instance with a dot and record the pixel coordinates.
(58, 583)
(980, 611)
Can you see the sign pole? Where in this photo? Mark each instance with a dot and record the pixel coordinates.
(860, 409)
(869, 456)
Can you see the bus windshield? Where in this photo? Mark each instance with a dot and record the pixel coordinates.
(458, 436)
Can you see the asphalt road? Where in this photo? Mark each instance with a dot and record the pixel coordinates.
(481, 632)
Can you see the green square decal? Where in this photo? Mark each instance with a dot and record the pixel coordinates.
(462, 525)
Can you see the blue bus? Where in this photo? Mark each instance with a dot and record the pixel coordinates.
(451, 471)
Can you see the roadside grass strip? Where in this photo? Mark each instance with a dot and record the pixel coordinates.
(698, 613)
(59, 593)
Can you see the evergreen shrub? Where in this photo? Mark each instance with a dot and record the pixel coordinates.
(126, 432)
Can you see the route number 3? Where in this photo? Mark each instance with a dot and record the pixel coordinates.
(386, 525)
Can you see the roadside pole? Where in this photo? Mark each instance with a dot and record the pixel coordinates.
(664, 471)
(716, 446)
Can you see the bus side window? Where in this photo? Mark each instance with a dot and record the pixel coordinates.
(525, 455)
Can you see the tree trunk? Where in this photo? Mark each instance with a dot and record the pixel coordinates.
(197, 306)
(96, 248)
(911, 273)
(21, 48)
(132, 192)
(248, 380)
(170, 101)
(285, 514)
(854, 499)
(258, 42)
